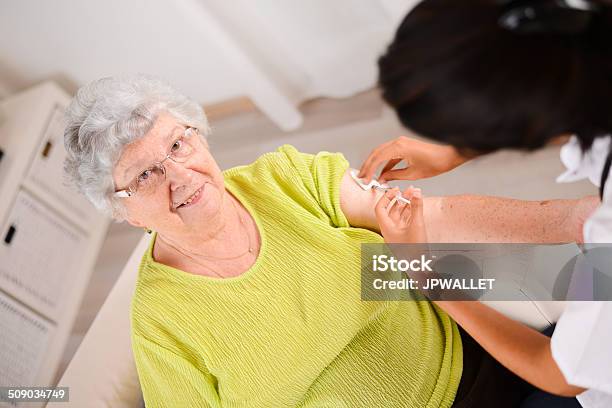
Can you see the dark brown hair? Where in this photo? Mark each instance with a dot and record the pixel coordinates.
(454, 73)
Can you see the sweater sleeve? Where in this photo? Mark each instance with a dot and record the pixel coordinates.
(320, 175)
(167, 379)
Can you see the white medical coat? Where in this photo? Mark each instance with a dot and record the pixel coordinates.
(582, 341)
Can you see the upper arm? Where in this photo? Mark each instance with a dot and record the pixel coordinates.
(358, 204)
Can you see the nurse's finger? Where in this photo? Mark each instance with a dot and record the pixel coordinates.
(398, 207)
(393, 193)
(406, 211)
(406, 173)
(390, 165)
(380, 209)
(376, 157)
(407, 208)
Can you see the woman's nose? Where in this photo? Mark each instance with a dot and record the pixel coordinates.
(178, 175)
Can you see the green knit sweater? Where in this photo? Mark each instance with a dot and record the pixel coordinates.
(291, 331)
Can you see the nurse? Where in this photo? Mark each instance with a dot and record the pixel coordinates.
(480, 76)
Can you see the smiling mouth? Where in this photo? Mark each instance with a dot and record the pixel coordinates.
(194, 197)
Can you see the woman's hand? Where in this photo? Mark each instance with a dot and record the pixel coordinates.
(423, 160)
(400, 222)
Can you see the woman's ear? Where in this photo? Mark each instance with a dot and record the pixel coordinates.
(120, 212)
(134, 223)
(124, 216)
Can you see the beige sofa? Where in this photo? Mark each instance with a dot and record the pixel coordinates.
(103, 374)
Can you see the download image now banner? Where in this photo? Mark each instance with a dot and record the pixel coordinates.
(486, 272)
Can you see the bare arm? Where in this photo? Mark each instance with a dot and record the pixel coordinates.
(519, 348)
(470, 218)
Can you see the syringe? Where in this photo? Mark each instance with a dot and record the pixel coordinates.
(378, 186)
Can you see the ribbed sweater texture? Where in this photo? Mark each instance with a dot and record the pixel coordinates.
(292, 331)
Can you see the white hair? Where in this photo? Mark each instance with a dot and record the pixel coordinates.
(109, 113)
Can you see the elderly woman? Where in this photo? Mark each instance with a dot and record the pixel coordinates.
(249, 293)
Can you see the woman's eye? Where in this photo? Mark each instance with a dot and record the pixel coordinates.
(144, 176)
(177, 145)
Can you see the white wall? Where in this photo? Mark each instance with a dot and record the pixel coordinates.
(79, 41)
(278, 53)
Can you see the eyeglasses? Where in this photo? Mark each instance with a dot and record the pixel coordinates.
(148, 180)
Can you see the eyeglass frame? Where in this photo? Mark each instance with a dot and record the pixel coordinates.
(127, 192)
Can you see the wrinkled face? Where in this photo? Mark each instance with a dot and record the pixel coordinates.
(162, 208)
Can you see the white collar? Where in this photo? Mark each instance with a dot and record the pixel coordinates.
(588, 165)
(598, 227)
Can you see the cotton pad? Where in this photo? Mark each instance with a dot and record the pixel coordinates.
(378, 186)
(372, 184)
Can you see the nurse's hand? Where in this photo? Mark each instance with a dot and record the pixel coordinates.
(422, 159)
(400, 222)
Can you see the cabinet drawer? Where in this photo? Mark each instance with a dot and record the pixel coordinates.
(46, 173)
(40, 253)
